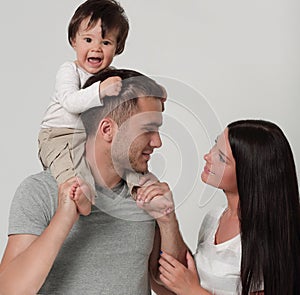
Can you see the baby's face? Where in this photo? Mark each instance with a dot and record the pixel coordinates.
(94, 53)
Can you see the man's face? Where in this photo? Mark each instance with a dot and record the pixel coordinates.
(137, 137)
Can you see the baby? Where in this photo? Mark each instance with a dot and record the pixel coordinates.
(97, 32)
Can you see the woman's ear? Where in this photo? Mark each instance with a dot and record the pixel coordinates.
(107, 128)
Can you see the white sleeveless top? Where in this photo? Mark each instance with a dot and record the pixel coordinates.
(218, 265)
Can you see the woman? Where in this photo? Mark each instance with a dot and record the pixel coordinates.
(252, 246)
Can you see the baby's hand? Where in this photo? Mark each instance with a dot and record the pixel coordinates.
(156, 199)
(110, 86)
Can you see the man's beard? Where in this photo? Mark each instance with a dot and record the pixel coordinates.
(124, 158)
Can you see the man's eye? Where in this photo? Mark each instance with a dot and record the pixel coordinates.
(88, 40)
(150, 129)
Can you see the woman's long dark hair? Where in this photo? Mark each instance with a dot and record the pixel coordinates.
(269, 208)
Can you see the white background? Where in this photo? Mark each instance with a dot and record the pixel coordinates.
(222, 59)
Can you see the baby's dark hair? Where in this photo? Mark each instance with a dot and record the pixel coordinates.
(112, 17)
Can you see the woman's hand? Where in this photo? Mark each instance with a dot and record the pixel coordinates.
(178, 278)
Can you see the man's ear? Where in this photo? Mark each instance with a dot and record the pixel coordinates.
(107, 129)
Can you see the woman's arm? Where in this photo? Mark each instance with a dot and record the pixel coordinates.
(180, 279)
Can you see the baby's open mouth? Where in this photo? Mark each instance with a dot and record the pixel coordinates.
(94, 59)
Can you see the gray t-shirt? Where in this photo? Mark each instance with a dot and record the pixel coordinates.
(105, 253)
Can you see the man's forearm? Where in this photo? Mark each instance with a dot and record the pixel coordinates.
(171, 239)
(26, 273)
(167, 239)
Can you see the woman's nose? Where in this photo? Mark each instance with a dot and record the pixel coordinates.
(207, 156)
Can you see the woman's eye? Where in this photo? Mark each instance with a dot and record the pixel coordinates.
(222, 158)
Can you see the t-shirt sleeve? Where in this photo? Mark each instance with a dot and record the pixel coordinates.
(31, 208)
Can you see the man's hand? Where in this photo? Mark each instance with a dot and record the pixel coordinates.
(66, 206)
(156, 199)
(110, 86)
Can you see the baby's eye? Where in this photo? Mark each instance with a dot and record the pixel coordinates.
(88, 40)
(105, 42)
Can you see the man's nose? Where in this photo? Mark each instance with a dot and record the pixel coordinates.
(155, 140)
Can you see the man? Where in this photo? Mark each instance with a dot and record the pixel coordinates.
(114, 250)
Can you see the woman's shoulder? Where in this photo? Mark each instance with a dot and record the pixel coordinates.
(213, 215)
(210, 222)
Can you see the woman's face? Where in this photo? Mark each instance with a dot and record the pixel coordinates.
(219, 170)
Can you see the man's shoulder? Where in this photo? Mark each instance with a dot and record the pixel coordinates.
(43, 177)
(33, 205)
(42, 183)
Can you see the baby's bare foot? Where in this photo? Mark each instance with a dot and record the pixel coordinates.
(83, 198)
(72, 190)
